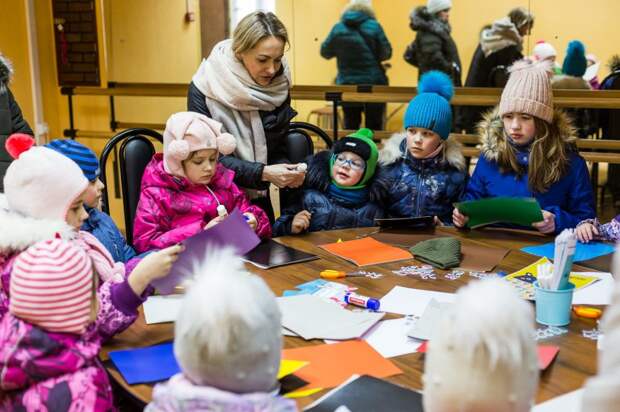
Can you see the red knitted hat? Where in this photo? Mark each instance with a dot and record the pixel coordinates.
(52, 286)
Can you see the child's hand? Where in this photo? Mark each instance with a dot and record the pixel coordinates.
(547, 225)
(154, 266)
(301, 222)
(215, 221)
(458, 218)
(251, 220)
(586, 232)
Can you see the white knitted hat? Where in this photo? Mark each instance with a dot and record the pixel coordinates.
(435, 6)
(228, 331)
(482, 356)
(544, 50)
(42, 183)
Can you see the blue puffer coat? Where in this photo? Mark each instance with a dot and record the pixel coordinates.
(425, 187)
(104, 229)
(329, 212)
(570, 199)
(357, 62)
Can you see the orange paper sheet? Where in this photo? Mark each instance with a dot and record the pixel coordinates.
(366, 251)
(331, 365)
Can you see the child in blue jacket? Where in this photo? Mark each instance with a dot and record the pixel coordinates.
(528, 150)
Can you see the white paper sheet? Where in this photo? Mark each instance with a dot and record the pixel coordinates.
(160, 309)
(407, 301)
(312, 317)
(569, 402)
(598, 293)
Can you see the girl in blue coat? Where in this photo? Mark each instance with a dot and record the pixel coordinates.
(426, 169)
(344, 188)
(528, 150)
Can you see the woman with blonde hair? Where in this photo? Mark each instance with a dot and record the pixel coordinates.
(244, 84)
(528, 150)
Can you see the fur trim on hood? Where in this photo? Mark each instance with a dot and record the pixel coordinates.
(20, 232)
(493, 138)
(564, 81)
(391, 151)
(6, 72)
(318, 177)
(422, 20)
(503, 33)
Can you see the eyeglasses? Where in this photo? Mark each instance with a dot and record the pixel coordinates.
(341, 161)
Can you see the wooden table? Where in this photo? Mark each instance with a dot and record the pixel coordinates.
(575, 362)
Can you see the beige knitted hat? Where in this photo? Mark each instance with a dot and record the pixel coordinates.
(528, 91)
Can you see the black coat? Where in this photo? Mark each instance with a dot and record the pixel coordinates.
(329, 212)
(434, 47)
(276, 124)
(480, 75)
(11, 119)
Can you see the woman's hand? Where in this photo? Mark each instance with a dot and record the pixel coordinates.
(283, 175)
(547, 225)
(458, 218)
(154, 266)
(586, 232)
(301, 222)
(251, 220)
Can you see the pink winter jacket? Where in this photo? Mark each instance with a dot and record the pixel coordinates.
(171, 209)
(45, 371)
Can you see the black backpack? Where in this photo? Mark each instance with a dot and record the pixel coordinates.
(411, 53)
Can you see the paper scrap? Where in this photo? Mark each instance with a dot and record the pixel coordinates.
(160, 309)
(408, 301)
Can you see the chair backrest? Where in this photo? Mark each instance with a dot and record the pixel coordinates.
(135, 152)
(298, 139)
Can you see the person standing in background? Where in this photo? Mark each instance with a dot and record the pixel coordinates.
(11, 119)
(433, 47)
(359, 44)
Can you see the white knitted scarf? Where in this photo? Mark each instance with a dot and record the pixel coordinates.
(234, 99)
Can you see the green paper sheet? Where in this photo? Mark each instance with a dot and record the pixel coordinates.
(521, 211)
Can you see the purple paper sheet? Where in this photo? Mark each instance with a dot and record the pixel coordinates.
(232, 231)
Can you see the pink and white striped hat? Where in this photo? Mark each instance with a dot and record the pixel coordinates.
(52, 286)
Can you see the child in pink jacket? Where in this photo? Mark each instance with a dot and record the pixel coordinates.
(183, 189)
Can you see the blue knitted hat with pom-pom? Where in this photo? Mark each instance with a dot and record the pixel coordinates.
(430, 109)
(575, 63)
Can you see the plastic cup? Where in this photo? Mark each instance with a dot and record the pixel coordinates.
(553, 307)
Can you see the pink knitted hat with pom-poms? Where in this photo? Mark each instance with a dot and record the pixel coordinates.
(528, 90)
(187, 132)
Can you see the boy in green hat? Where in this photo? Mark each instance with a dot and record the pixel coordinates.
(343, 189)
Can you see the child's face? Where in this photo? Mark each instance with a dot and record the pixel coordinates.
(348, 169)
(76, 215)
(94, 191)
(199, 168)
(422, 142)
(520, 127)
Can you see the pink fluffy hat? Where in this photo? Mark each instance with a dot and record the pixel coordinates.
(187, 132)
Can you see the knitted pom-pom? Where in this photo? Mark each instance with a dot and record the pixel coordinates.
(226, 143)
(575, 48)
(18, 143)
(178, 149)
(523, 64)
(437, 82)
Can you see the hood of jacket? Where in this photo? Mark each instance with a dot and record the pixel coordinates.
(20, 232)
(355, 17)
(503, 33)
(29, 354)
(395, 149)
(318, 177)
(493, 139)
(156, 176)
(564, 81)
(422, 20)
(6, 72)
(180, 394)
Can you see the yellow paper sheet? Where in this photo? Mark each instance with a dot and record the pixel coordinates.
(290, 366)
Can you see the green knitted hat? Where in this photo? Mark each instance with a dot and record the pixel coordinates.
(361, 144)
(442, 252)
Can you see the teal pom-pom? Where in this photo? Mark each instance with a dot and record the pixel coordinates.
(436, 82)
(575, 62)
(575, 48)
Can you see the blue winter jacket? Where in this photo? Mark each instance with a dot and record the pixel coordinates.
(329, 212)
(357, 59)
(425, 187)
(104, 229)
(570, 199)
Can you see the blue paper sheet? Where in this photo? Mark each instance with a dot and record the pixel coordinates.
(145, 365)
(584, 251)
